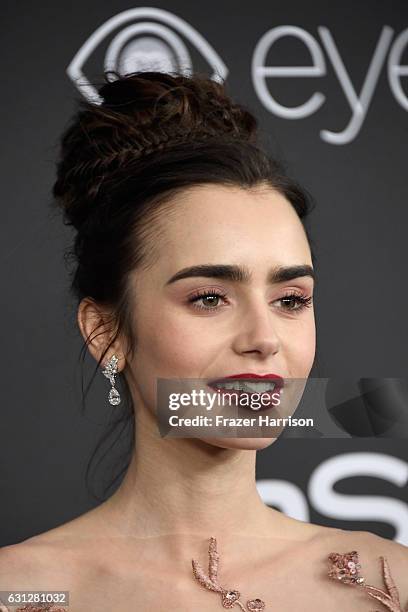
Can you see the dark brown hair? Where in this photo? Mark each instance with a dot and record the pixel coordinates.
(122, 163)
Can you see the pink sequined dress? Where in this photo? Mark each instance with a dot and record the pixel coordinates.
(343, 567)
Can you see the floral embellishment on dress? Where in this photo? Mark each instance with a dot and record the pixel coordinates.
(43, 608)
(255, 605)
(229, 597)
(34, 607)
(346, 567)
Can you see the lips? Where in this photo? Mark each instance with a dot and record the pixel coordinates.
(273, 384)
(249, 377)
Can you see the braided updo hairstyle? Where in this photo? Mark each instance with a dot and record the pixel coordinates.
(122, 164)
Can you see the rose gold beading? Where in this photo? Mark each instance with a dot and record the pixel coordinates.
(229, 597)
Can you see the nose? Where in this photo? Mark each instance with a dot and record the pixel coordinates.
(257, 332)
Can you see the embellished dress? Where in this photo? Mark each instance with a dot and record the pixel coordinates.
(343, 567)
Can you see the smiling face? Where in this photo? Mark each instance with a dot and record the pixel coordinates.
(207, 327)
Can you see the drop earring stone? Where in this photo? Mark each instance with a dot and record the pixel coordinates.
(111, 369)
(114, 397)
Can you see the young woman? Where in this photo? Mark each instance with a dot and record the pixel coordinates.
(192, 261)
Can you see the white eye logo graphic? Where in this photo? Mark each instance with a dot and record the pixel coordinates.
(147, 45)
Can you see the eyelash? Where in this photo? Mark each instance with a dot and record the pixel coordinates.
(302, 300)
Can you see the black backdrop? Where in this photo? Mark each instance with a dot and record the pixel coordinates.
(348, 147)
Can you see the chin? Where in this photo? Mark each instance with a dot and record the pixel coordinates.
(240, 443)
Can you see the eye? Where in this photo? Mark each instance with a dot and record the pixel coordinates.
(295, 301)
(209, 297)
(148, 39)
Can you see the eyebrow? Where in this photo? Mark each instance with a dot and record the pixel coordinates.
(241, 274)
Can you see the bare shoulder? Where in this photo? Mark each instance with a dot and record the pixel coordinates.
(66, 557)
(66, 545)
(48, 562)
(54, 557)
(33, 565)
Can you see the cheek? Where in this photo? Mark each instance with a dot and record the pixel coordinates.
(302, 348)
(164, 350)
(169, 345)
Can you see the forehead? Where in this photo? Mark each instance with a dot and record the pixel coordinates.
(223, 223)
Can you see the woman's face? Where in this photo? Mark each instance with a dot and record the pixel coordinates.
(242, 325)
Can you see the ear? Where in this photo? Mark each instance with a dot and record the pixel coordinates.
(96, 327)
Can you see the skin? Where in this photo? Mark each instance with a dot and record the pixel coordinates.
(138, 545)
(249, 331)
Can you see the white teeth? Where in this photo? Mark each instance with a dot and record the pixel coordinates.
(258, 387)
(261, 386)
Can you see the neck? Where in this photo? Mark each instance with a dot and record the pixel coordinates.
(183, 491)
(176, 494)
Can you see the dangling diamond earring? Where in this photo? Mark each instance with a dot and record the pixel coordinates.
(111, 368)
